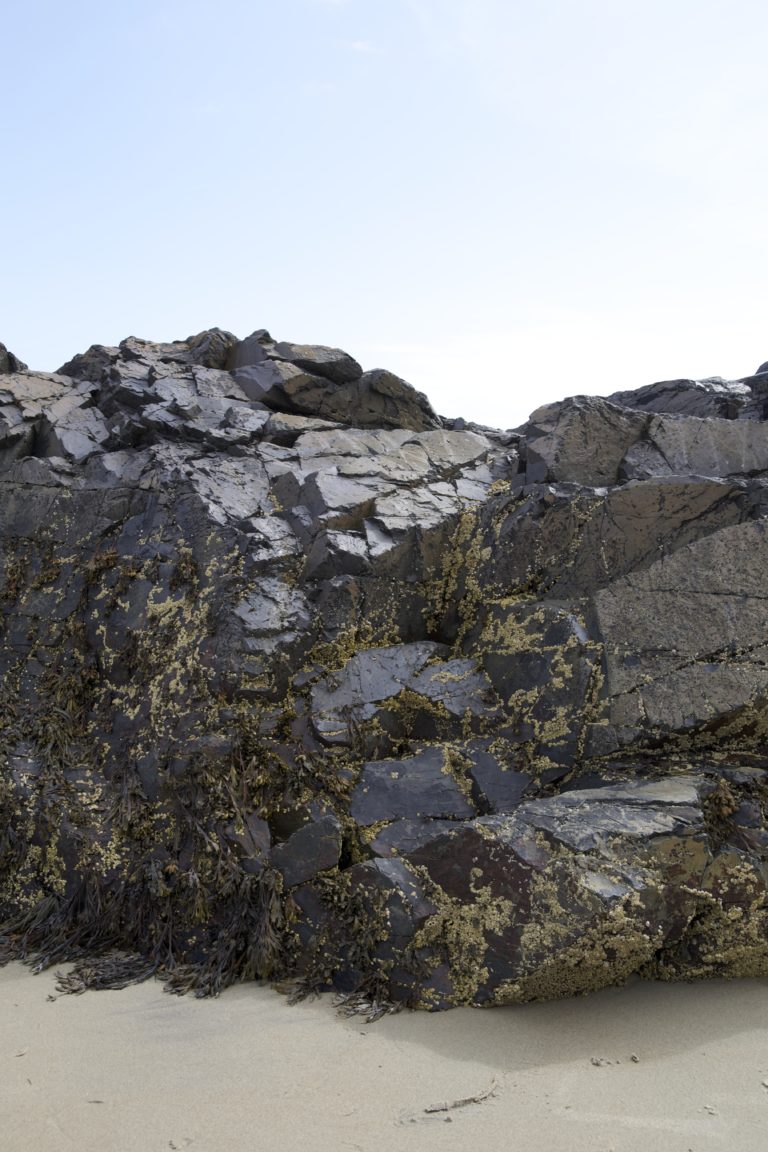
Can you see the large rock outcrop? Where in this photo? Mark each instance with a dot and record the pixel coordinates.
(301, 681)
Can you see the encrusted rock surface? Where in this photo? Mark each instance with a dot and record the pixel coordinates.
(301, 681)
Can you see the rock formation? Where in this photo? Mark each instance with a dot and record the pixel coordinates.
(301, 682)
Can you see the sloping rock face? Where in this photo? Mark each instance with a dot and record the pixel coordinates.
(303, 682)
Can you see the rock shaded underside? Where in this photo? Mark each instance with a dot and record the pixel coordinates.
(303, 682)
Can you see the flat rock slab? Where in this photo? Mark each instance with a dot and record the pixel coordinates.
(422, 785)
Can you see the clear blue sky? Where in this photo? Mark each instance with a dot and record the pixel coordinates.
(505, 201)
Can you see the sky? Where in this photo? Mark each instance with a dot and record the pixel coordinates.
(504, 201)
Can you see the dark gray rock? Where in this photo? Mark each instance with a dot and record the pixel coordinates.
(314, 848)
(422, 785)
(400, 837)
(210, 349)
(685, 643)
(497, 784)
(376, 399)
(385, 695)
(9, 362)
(723, 399)
(331, 363)
(387, 401)
(317, 360)
(315, 380)
(698, 447)
(93, 365)
(300, 682)
(582, 441)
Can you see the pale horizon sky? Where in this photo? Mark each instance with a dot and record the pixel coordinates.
(505, 202)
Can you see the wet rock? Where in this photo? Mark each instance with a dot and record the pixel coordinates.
(498, 786)
(337, 553)
(314, 848)
(626, 811)
(388, 694)
(552, 542)
(422, 785)
(301, 682)
(543, 665)
(539, 900)
(401, 837)
(358, 695)
(251, 836)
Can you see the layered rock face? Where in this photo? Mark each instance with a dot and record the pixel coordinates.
(302, 682)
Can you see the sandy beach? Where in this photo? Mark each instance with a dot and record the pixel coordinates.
(645, 1068)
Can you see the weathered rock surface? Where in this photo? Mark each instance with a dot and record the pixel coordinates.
(9, 362)
(301, 681)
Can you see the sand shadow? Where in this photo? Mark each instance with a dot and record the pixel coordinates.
(648, 1019)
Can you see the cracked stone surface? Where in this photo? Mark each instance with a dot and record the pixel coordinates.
(302, 681)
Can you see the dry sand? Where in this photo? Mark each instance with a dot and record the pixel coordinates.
(142, 1071)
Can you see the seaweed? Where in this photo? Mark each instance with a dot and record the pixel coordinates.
(248, 946)
(112, 970)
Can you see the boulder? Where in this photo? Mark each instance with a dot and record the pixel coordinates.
(300, 682)
(582, 441)
(724, 399)
(313, 380)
